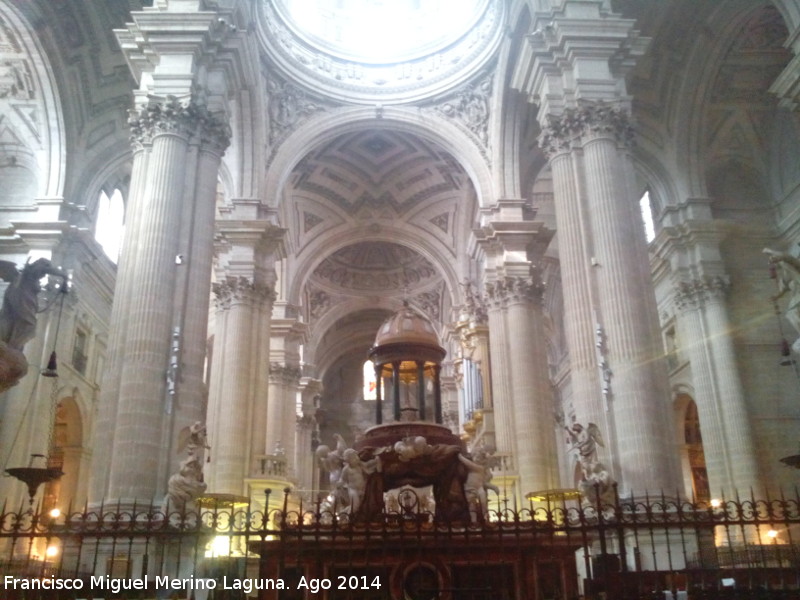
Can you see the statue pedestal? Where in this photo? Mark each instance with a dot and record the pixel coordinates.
(416, 454)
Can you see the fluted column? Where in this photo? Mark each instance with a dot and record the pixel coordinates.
(736, 421)
(501, 381)
(722, 409)
(242, 305)
(579, 320)
(307, 428)
(529, 383)
(149, 314)
(694, 340)
(606, 278)
(190, 387)
(109, 390)
(281, 410)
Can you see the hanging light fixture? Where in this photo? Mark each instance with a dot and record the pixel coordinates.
(51, 370)
(34, 476)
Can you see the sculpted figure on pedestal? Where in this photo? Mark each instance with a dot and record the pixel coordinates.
(585, 441)
(332, 461)
(194, 441)
(596, 485)
(788, 278)
(354, 478)
(478, 481)
(185, 486)
(597, 488)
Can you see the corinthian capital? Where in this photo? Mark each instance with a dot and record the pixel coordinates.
(241, 290)
(284, 374)
(589, 120)
(511, 290)
(697, 293)
(188, 120)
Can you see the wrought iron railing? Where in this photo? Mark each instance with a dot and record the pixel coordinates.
(639, 548)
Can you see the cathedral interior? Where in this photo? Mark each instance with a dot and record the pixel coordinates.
(591, 207)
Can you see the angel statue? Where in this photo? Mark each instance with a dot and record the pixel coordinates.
(20, 302)
(585, 441)
(596, 485)
(18, 315)
(194, 440)
(185, 486)
(788, 277)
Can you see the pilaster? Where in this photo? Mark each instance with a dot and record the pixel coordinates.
(700, 291)
(287, 335)
(239, 383)
(513, 244)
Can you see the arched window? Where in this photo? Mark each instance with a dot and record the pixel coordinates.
(646, 206)
(370, 383)
(694, 447)
(109, 227)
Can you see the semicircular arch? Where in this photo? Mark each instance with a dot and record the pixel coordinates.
(698, 86)
(314, 254)
(324, 128)
(39, 88)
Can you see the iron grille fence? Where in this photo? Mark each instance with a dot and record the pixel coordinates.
(644, 548)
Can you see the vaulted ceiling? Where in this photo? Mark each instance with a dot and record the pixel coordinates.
(380, 168)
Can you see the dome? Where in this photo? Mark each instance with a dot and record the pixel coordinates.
(407, 327)
(381, 31)
(370, 51)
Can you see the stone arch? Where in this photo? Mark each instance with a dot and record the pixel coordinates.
(67, 453)
(653, 175)
(334, 240)
(323, 359)
(323, 128)
(114, 174)
(698, 86)
(690, 445)
(790, 10)
(34, 83)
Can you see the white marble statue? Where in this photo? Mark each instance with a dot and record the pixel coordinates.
(410, 448)
(354, 478)
(585, 441)
(479, 477)
(788, 279)
(194, 440)
(183, 488)
(597, 488)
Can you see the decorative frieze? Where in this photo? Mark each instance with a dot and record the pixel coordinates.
(470, 108)
(430, 302)
(695, 293)
(174, 117)
(241, 289)
(585, 121)
(288, 105)
(510, 290)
